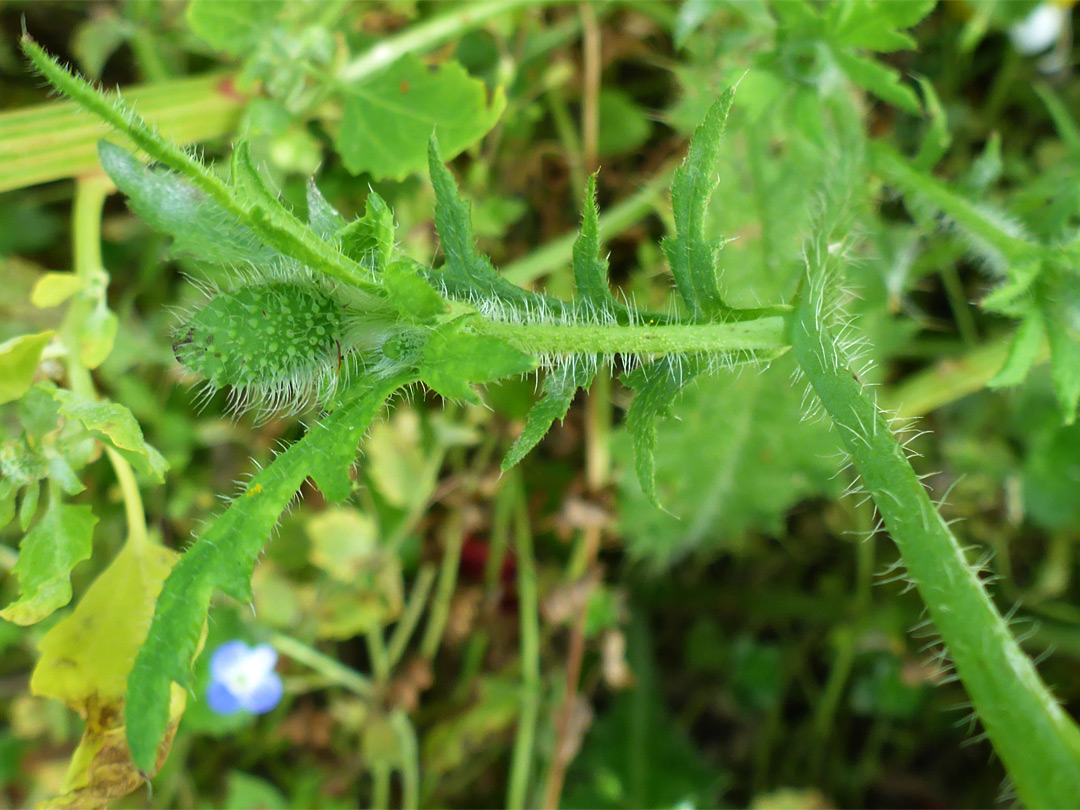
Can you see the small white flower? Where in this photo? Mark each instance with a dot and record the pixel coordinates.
(1038, 30)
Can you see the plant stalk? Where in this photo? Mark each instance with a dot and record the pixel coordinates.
(761, 334)
(1037, 741)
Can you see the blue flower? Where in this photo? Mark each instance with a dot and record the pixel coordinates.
(242, 678)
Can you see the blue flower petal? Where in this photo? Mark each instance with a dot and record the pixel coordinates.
(265, 695)
(220, 699)
(226, 657)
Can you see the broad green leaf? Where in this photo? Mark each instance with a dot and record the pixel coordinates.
(396, 459)
(53, 289)
(112, 423)
(57, 543)
(246, 792)
(29, 505)
(454, 358)
(692, 13)
(343, 610)
(883, 82)
(1051, 477)
(624, 126)
(692, 258)
(232, 26)
(18, 361)
(97, 39)
(223, 557)
(388, 118)
(200, 227)
(343, 542)
(875, 24)
(560, 387)
(8, 490)
(656, 386)
(85, 660)
(738, 457)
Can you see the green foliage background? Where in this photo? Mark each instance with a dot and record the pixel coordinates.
(747, 644)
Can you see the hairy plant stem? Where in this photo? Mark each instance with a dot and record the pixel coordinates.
(1037, 741)
(277, 227)
(760, 334)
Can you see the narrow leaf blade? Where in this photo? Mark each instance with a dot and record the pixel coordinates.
(223, 559)
(692, 258)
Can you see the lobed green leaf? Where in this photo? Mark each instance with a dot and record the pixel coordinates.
(112, 423)
(48, 552)
(387, 119)
(590, 268)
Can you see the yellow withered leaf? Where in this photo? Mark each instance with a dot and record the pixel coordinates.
(85, 661)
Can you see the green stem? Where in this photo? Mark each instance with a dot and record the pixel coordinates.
(895, 169)
(761, 334)
(380, 785)
(950, 379)
(399, 639)
(332, 669)
(410, 759)
(521, 764)
(380, 661)
(426, 35)
(444, 590)
(133, 505)
(1037, 741)
(90, 195)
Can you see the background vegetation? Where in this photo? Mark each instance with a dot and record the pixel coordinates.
(747, 645)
